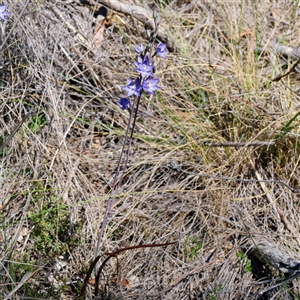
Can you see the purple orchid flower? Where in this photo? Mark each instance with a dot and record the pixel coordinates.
(162, 50)
(124, 103)
(150, 85)
(3, 13)
(143, 67)
(133, 87)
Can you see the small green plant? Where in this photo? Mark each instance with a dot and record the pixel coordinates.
(288, 126)
(17, 269)
(37, 123)
(52, 232)
(213, 295)
(244, 261)
(191, 247)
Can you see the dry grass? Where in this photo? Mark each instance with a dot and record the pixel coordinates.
(57, 172)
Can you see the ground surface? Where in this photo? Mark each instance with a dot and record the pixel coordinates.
(216, 87)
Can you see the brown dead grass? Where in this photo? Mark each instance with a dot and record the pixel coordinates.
(215, 87)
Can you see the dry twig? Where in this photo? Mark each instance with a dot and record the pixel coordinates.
(237, 144)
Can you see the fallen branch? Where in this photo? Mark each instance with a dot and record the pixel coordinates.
(139, 13)
(290, 52)
(267, 252)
